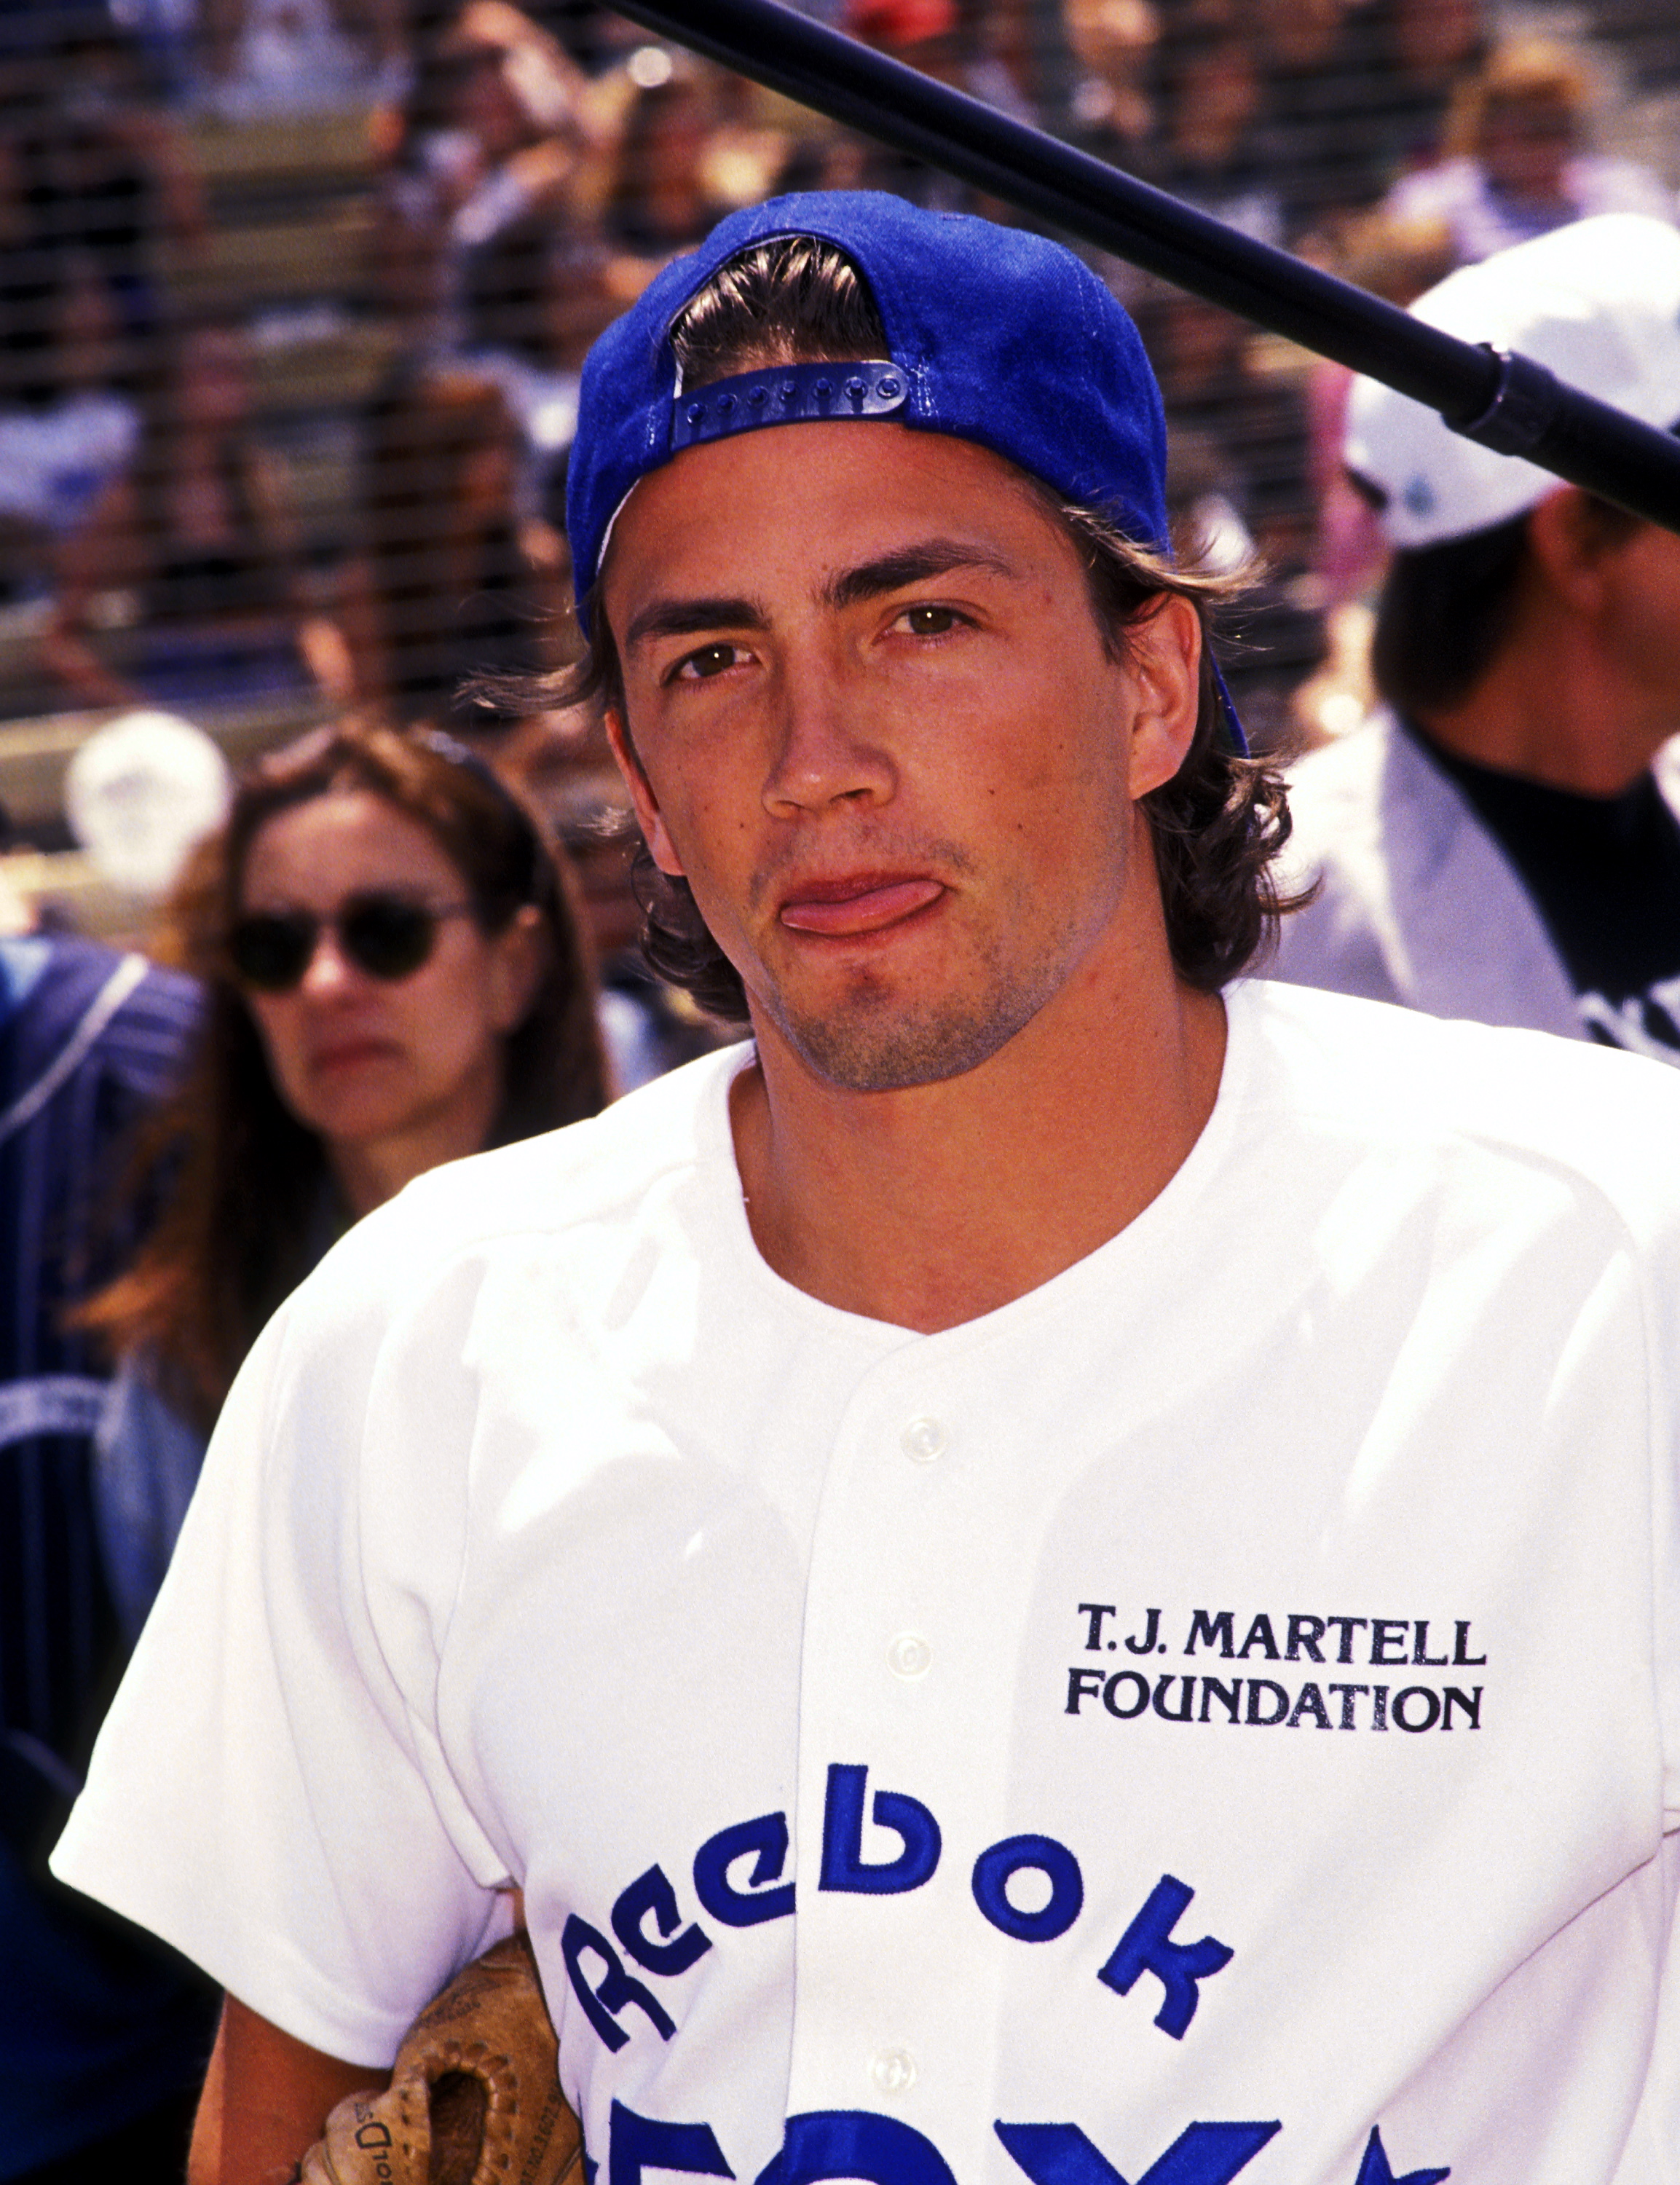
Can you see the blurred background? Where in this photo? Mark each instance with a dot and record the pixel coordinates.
(294, 297)
(296, 293)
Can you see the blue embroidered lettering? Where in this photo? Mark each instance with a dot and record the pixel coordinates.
(767, 1836)
(1146, 1947)
(993, 1869)
(1374, 2170)
(615, 1993)
(844, 1865)
(854, 2143)
(1202, 2154)
(652, 1892)
(639, 2142)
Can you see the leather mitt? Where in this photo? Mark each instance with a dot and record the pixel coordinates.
(474, 2098)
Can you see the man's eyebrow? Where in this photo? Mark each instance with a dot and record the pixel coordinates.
(868, 580)
(692, 618)
(910, 564)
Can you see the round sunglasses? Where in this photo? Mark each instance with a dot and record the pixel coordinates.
(388, 936)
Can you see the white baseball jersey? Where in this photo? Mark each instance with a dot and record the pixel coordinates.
(1218, 1716)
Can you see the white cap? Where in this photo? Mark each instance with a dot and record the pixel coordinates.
(139, 792)
(1597, 303)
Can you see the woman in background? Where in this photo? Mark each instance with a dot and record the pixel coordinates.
(395, 977)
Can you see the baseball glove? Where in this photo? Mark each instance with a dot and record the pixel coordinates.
(474, 2098)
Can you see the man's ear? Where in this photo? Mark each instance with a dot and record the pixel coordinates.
(1568, 548)
(660, 848)
(1164, 644)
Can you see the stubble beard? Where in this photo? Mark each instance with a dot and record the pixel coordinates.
(876, 1040)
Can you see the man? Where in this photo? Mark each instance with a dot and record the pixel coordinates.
(104, 2034)
(1059, 1569)
(1499, 841)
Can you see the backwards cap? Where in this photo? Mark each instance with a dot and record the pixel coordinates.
(993, 335)
(1598, 302)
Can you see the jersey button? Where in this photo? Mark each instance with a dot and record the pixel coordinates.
(909, 1655)
(893, 2071)
(924, 1440)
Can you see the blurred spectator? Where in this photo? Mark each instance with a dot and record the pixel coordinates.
(496, 127)
(946, 40)
(1518, 163)
(1320, 63)
(266, 56)
(190, 552)
(660, 201)
(105, 2036)
(1501, 841)
(456, 578)
(534, 302)
(66, 433)
(1111, 107)
(396, 977)
(1421, 53)
(1212, 151)
(90, 166)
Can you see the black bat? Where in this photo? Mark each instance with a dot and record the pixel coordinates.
(1506, 401)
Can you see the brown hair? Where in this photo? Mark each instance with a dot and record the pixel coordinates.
(246, 1184)
(1446, 612)
(1216, 826)
(1527, 70)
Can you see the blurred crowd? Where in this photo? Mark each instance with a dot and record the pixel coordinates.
(318, 455)
(296, 296)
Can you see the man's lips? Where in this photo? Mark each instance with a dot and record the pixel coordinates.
(843, 907)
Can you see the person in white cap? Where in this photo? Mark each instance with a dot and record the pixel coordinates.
(1499, 840)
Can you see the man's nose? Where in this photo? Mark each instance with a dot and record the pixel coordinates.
(828, 745)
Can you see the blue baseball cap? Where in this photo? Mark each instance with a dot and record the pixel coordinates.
(993, 335)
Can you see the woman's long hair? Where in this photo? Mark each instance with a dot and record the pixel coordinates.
(245, 1184)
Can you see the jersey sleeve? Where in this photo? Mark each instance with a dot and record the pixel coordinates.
(269, 1792)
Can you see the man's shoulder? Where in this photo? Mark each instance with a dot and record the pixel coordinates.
(1376, 1075)
(1354, 782)
(601, 1176)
